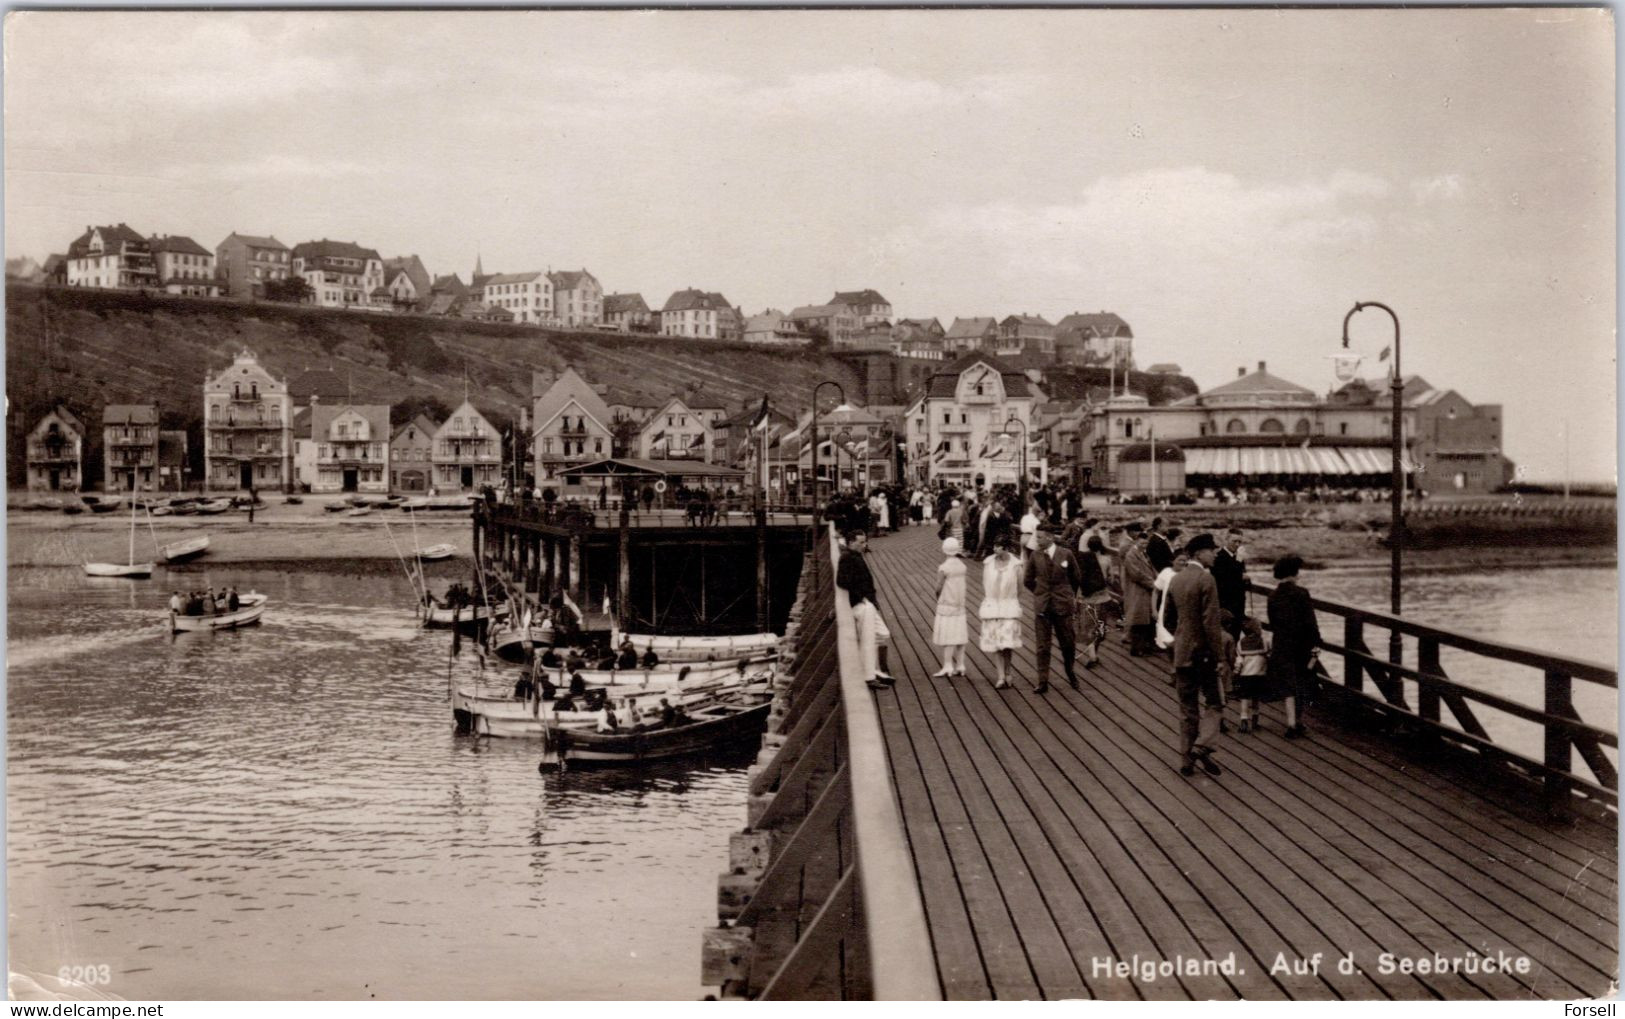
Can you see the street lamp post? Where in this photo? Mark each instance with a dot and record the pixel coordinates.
(838, 389)
(1396, 525)
(1022, 484)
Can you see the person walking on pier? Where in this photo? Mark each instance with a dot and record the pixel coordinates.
(854, 577)
(1230, 574)
(1138, 578)
(1200, 667)
(948, 630)
(1296, 635)
(1052, 576)
(1001, 612)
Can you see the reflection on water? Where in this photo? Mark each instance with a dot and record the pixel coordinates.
(1568, 611)
(285, 811)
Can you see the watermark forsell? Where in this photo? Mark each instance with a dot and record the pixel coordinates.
(1148, 970)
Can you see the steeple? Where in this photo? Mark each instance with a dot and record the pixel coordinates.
(479, 270)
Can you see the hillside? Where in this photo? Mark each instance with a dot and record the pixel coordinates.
(90, 348)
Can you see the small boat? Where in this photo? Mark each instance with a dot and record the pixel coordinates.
(664, 676)
(131, 568)
(336, 507)
(725, 723)
(499, 713)
(512, 644)
(292, 500)
(436, 616)
(250, 607)
(418, 503)
(359, 511)
(214, 506)
(160, 511)
(437, 552)
(73, 509)
(699, 649)
(185, 550)
(104, 507)
(391, 502)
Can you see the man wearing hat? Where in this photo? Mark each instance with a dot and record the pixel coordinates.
(1138, 578)
(1053, 578)
(1199, 660)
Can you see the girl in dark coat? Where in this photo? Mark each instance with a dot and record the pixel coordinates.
(1296, 635)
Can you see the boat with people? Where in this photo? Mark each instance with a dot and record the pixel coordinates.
(250, 607)
(130, 569)
(443, 616)
(726, 722)
(184, 550)
(490, 710)
(699, 649)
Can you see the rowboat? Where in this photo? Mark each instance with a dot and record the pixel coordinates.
(420, 502)
(336, 507)
(438, 617)
(511, 645)
(494, 711)
(186, 550)
(727, 722)
(250, 607)
(664, 676)
(359, 511)
(437, 552)
(104, 507)
(131, 568)
(699, 649)
(214, 506)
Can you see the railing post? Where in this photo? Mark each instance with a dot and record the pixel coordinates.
(1353, 637)
(1427, 663)
(1559, 743)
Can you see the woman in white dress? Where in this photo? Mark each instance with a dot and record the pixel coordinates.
(948, 630)
(1001, 609)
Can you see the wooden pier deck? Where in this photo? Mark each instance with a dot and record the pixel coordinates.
(1053, 836)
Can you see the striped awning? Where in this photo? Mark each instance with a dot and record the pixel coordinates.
(1339, 461)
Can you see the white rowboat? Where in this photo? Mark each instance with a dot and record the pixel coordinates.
(251, 607)
(443, 617)
(118, 569)
(436, 552)
(699, 649)
(181, 551)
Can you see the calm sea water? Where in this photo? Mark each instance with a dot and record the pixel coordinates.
(285, 811)
(1568, 611)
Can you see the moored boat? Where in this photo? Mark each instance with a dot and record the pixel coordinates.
(495, 711)
(359, 511)
(104, 506)
(512, 644)
(133, 570)
(727, 722)
(434, 553)
(250, 607)
(185, 550)
(440, 617)
(697, 649)
(214, 506)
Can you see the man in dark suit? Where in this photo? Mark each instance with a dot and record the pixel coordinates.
(1157, 548)
(1199, 660)
(1230, 576)
(1052, 576)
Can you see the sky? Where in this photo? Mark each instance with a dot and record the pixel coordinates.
(1229, 182)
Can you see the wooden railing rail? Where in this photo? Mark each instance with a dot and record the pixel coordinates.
(1564, 732)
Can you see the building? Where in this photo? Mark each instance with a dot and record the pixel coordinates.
(55, 271)
(680, 431)
(130, 447)
(573, 425)
(172, 460)
(578, 299)
(970, 335)
(304, 449)
(855, 451)
(628, 313)
(527, 296)
(401, 290)
(247, 428)
(773, 328)
(836, 322)
(979, 410)
(920, 338)
(340, 274)
(185, 267)
(700, 314)
(1025, 334)
(112, 258)
(415, 272)
(411, 463)
(1100, 338)
(467, 452)
(56, 452)
(867, 305)
(244, 264)
(352, 447)
(738, 439)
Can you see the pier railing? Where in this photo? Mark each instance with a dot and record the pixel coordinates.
(1564, 732)
(821, 900)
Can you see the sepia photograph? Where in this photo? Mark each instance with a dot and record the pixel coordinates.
(827, 504)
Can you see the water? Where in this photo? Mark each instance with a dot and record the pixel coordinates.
(285, 812)
(1568, 611)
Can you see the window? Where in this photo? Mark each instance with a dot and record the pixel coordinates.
(1302, 427)
(1343, 428)
(547, 445)
(1272, 426)
(1235, 426)
(598, 445)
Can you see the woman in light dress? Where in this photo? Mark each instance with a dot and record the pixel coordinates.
(948, 631)
(955, 522)
(1029, 532)
(1001, 608)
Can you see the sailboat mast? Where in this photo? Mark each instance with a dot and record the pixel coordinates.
(132, 532)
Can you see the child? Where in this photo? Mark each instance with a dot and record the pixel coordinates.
(948, 630)
(1252, 671)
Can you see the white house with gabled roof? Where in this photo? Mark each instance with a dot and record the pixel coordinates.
(467, 452)
(573, 425)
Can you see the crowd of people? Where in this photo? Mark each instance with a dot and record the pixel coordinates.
(208, 602)
(1181, 598)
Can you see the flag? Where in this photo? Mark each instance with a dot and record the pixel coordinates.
(699, 440)
(656, 440)
(1306, 444)
(760, 422)
(1385, 352)
(570, 604)
(942, 450)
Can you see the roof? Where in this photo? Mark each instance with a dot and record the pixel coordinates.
(179, 245)
(929, 324)
(505, 278)
(1026, 320)
(1102, 323)
(696, 300)
(852, 297)
(53, 263)
(301, 423)
(423, 424)
(450, 284)
(375, 414)
(570, 280)
(1259, 383)
(324, 383)
(68, 417)
(819, 310)
(569, 388)
(701, 400)
(130, 414)
(620, 304)
(944, 384)
(970, 327)
(334, 249)
(652, 468)
(113, 236)
(1141, 452)
(1164, 367)
(256, 242)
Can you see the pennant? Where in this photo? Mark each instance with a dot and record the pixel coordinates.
(699, 440)
(760, 423)
(1385, 352)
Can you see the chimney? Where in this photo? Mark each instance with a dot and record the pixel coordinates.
(1261, 366)
(1241, 373)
